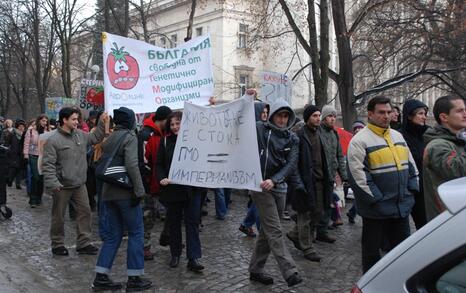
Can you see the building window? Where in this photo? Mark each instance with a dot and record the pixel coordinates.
(163, 42)
(174, 39)
(198, 31)
(242, 36)
(243, 83)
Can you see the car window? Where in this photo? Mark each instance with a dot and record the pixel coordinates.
(454, 280)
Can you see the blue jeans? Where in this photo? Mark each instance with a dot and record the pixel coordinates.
(252, 217)
(119, 213)
(222, 200)
(28, 179)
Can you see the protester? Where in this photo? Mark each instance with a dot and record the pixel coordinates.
(445, 153)
(395, 118)
(304, 198)
(333, 162)
(28, 173)
(123, 210)
(278, 151)
(351, 214)
(151, 135)
(12, 139)
(180, 200)
(413, 128)
(383, 178)
(4, 210)
(64, 168)
(31, 153)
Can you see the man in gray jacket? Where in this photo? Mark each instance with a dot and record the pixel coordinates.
(278, 151)
(64, 167)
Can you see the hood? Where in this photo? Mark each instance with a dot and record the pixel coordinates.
(149, 121)
(408, 109)
(124, 117)
(258, 108)
(278, 105)
(439, 132)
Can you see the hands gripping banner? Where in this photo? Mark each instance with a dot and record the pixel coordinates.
(217, 147)
(143, 77)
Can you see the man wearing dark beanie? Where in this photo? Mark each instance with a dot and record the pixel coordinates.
(149, 138)
(308, 195)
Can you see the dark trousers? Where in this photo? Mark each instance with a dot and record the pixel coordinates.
(374, 231)
(192, 213)
(3, 175)
(419, 211)
(37, 183)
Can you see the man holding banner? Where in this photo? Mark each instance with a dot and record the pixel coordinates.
(278, 150)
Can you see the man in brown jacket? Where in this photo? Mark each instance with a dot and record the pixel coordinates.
(65, 171)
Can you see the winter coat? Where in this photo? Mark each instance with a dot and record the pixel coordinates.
(128, 149)
(64, 164)
(171, 192)
(444, 160)
(333, 153)
(151, 149)
(259, 108)
(31, 142)
(12, 139)
(382, 173)
(278, 147)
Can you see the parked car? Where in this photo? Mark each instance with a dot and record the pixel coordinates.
(433, 259)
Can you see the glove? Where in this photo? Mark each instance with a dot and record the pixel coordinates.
(135, 201)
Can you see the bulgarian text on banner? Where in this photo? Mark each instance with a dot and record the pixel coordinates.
(217, 147)
(143, 77)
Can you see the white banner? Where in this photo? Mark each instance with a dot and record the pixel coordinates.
(217, 147)
(143, 77)
(275, 85)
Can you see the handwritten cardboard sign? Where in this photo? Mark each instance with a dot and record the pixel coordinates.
(217, 147)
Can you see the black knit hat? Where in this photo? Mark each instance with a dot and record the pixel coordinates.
(162, 113)
(124, 117)
(308, 111)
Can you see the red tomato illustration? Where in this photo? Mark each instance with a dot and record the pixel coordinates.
(95, 95)
(122, 69)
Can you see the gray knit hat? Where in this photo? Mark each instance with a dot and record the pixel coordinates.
(328, 110)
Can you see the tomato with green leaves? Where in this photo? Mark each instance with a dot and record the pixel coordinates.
(122, 69)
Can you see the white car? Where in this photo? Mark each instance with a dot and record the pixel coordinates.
(433, 259)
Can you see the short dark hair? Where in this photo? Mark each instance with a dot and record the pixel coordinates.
(444, 105)
(66, 112)
(174, 114)
(376, 101)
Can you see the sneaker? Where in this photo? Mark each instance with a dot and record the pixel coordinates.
(136, 283)
(325, 238)
(89, 249)
(294, 279)
(312, 257)
(60, 250)
(194, 265)
(248, 231)
(103, 283)
(148, 255)
(261, 278)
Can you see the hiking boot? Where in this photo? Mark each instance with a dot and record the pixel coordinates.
(148, 255)
(61, 250)
(89, 249)
(261, 278)
(103, 283)
(325, 238)
(136, 283)
(248, 231)
(295, 242)
(312, 257)
(294, 279)
(194, 265)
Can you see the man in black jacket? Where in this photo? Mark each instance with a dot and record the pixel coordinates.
(278, 151)
(304, 195)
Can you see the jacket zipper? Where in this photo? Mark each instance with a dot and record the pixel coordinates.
(267, 154)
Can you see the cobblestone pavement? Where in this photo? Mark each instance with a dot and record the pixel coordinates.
(27, 264)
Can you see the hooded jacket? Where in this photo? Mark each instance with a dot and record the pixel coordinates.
(333, 152)
(382, 173)
(150, 154)
(259, 108)
(278, 147)
(444, 160)
(64, 163)
(128, 150)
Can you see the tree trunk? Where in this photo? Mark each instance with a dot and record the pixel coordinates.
(345, 59)
(189, 33)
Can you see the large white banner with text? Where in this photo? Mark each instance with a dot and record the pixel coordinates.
(217, 147)
(142, 77)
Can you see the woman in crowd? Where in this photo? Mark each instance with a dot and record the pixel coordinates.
(12, 139)
(31, 153)
(179, 200)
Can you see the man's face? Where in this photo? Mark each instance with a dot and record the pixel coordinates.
(330, 120)
(456, 119)
(381, 115)
(281, 118)
(314, 120)
(72, 122)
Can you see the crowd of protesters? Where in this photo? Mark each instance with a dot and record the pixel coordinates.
(393, 166)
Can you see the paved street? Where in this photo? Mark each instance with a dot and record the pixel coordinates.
(27, 264)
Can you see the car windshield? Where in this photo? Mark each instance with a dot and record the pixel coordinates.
(454, 280)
